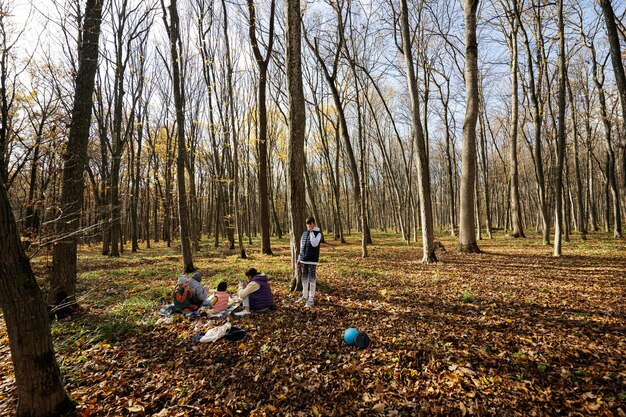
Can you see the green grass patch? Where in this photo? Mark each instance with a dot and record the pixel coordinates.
(466, 297)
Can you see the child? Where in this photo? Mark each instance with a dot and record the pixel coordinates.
(308, 259)
(219, 301)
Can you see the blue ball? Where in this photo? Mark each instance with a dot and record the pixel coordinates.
(349, 335)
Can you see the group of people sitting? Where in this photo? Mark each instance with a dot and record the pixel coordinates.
(255, 294)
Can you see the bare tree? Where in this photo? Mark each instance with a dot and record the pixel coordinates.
(173, 31)
(535, 87)
(560, 143)
(262, 63)
(297, 120)
(232, 134)
(620, 78)
(63, 278)
(331, 75)
(467, 229)
(423, 170)
(610, 174)
(511, 11)
(37, 376)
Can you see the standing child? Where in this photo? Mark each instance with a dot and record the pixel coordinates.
(309, 258)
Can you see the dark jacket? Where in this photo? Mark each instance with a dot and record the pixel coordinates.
(261, 298)
(308, 252)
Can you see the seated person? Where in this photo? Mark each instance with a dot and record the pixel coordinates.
(219, 301)
(199, 291)
(256, 294)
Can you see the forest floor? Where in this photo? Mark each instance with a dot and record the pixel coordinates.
(509, 332)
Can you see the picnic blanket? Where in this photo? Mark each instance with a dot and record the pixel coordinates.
(170, 309)
(225, 313)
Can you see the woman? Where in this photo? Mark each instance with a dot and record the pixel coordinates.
(256, 294)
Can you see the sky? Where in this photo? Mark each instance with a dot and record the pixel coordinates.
(39, 20)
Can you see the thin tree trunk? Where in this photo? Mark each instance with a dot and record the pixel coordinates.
(262, 63)
(485, 170)
(296, 125)
(423, 170)
(617, 58)
(63, 278)
(467, 230)
(235, 210)
(516, 212)
(181, 157)
(599, 78)
(560, 145)
(580, 212)
(535, 88)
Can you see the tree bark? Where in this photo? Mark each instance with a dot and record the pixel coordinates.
(535, 89)
(331, 78)
(181, 155)
(467, 229)
(262, 63)
(38, 379)
(423, 170)
(579, 213)
(63, 278)
(620, 79)
(599, 78)
(235, 211)
(296, 125)
(516, 212)
(560, 142)
(485, 172)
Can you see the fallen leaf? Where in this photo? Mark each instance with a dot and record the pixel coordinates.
(136, 408)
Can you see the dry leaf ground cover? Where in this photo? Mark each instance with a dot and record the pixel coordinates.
(509, 332)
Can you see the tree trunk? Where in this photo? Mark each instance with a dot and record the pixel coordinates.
(580, 212)
(63, 278)
(181, 156)
(423, 170)
(235, 211)
(620, 79)
(31, 223)
(134, 208)
(599, 78)
(535, 88)
(467, 229)
(516, 212)
(38, 379)
(560, 142)
(485, 171)
(591, 201)
(297, 120)
(262, 63)
(343, 124)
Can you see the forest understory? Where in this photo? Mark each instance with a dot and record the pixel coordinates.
(512, 331)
